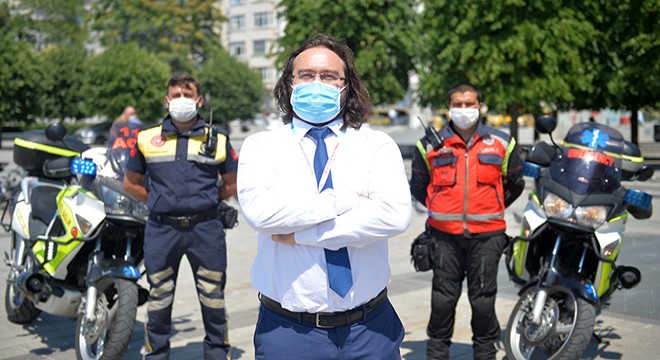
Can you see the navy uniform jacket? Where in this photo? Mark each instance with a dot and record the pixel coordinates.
(182, 178)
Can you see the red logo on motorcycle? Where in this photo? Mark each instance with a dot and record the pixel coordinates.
(589, 155)
(74, 232)
(158, 141)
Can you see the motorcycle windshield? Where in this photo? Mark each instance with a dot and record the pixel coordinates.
(591, 159)
(118, 159)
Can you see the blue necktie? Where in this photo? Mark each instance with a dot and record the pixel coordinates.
(339, 266)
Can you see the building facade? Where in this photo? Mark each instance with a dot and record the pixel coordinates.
(250, 35)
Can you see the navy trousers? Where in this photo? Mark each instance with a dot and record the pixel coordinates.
(378, 337)
(204, 246)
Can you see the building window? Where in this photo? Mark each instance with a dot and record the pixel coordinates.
(265, 73)
(237, 48)
(263, 19)
(259, 47)
(237, 22)
(236, 2)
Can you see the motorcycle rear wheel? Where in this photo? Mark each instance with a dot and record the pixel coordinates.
(564, 335)
(20, 309)
(112, 335)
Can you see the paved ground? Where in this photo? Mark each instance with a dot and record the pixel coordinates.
(629, 336)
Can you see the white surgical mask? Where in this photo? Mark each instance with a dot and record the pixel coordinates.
(183, 109)
(464, 118)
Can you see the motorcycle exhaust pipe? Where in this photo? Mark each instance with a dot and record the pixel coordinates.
(628, 276)
(31, 282)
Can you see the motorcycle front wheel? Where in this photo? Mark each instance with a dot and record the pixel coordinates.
(564, 332)
(108, 335)
(20, 309)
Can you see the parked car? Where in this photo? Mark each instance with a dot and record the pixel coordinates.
(95, 134)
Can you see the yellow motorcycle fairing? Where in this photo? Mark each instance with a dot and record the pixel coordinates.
(75, 205)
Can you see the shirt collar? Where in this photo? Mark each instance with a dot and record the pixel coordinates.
(300, 128)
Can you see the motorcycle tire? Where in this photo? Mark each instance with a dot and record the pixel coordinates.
(20, 309)
(567, 326)
(120, 297)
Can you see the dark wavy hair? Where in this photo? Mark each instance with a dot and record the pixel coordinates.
(357, 103)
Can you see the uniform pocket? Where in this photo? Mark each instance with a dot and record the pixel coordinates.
(444, 170)
(490, 169)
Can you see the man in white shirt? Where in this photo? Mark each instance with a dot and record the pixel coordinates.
(325, 194)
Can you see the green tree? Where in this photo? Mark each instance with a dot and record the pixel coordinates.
(380, 33)
(180, 33)
(20, 74)
(630, 44)
(520, 54)
(125, 75)
(63, 76)
(234, 90)
(47, 22)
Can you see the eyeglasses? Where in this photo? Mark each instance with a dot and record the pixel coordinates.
(325, 77)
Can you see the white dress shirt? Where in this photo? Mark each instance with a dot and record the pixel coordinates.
(278, 194)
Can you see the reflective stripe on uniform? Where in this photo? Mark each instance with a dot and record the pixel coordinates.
(505, 163)
(207, 287)
(214, 303)
(469, 217)
(161, 275)
(210, 274)
(159, 304)
(422, 151)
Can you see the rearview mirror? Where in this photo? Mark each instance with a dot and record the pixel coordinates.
(644, 173)
(545, 124)
(542, 154)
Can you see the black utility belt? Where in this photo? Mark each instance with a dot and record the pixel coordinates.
(186, 221)
(326, 320)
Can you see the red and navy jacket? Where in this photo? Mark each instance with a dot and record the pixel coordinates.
(467, 186)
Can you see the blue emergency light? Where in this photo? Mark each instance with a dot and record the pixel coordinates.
(531, 170)
(638, 198)
(83, 167)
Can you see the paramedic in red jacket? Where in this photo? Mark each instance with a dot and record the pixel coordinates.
(466, 183)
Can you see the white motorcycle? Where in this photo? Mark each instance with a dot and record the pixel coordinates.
(76, 245)
(572, 230)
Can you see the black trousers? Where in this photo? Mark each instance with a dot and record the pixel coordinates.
(456, 258)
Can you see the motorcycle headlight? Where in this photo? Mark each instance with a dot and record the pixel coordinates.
(557, 207)
(591, 216)
(587, 216)
(117, 203)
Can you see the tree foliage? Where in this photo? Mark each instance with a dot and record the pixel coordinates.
(20, 73)
(516, 52)
(631, 43)
(126, 75)
(62, 77)
(51, 22)
(234, 90)
(380, 33)
(180, 33)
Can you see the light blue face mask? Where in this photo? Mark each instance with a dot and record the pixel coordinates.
(316, 102)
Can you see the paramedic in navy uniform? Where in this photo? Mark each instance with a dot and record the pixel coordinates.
(325, 194)
(183, 202)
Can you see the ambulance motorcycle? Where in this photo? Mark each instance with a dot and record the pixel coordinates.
(572, 230)
(76, 245)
